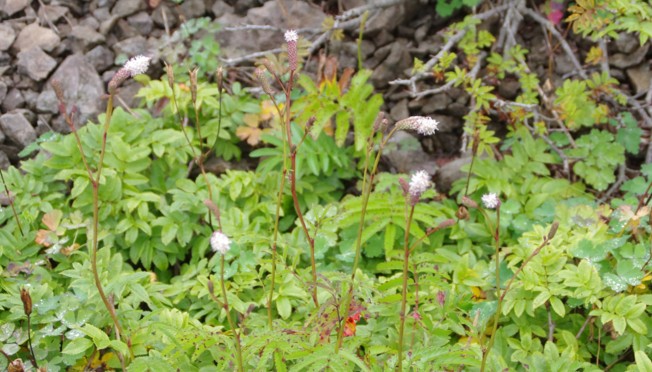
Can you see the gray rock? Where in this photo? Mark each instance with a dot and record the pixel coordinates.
(52, 13)
(563, 64)
(7, 36)
(34, 35)
(86, 36)
(14, 6)
(640, 77)
(451, 172)
(508, 88)
(624, 61)
(35, 63)
(392, 17)
(397, 61)
(3, 90)
(42, 125)
(379, 56)
(457, 109)
(448, 124)
(434, 103)
(131, 47)
(399, 110)
(4, 161)
(91, 22)
(17, 128)
(405, 155)
(101, 58)
(142, 22)
(30, 98)
(81, 86)
(2, 136)
(297, 15)
(122, 8)
(47, 102)
(626, 43)
(127, 94)
(192, 8)
(164, 15)
(13, 100)
(221, 8)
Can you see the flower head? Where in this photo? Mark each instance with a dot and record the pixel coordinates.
(220, 243)
(137, 65)
(291, 36)
(419, 183)
(421, 124)
(490, 200)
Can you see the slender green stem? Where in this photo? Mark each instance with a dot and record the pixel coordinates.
(236, 334)
(406, 266)
(277, 218)
(367, 186)
(11, 202)
(29, 341)
(485, 354)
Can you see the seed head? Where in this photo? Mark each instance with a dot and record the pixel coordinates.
(137, 65)
(421, 124)
(419, 183)
(490, 200)
(291, 38)
(220, 243)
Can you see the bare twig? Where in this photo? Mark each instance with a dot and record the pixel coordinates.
(250, 57)
(562, 41)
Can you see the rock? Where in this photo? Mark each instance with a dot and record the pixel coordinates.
(47, 102)
(4, 161)
(400, 110)
(508, 88)
(131, 47)
(124, 8)
(451, 172)
(640, 77)
(91, 22)
(626, 43)
(3, 91)
(35, 63)
(142, 22)
(163, 16)
(52, 13)
(405, 155)
(128, 93)
(86, 36)
(383, 38)
(296, 15)
(628, 60)
(192, 8)
(12, 7)
(563, 64)
(448, 124)
(393, 66)
(34, 35)
(17, 128)
(81, 86)
(392, 17)
(433, 103)
(13, 100)
(457, 109)
(421, 33)
(379, 56)
(7, 36)
(2, 136)
(101, 58)
(30, 97)
(42, 125)
(220, 8)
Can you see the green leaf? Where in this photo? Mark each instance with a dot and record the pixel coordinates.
(284, 307)
(557, 306)
(77, 346)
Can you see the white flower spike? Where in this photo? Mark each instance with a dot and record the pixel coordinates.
(419, 183)
(421, 124)
(291, 36)
(137, 65)
(220, 243)
(490, 200)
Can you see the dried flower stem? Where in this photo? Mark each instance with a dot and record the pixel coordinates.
(293, 184)
(406, 266)
(95, 185)
(11, 202)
